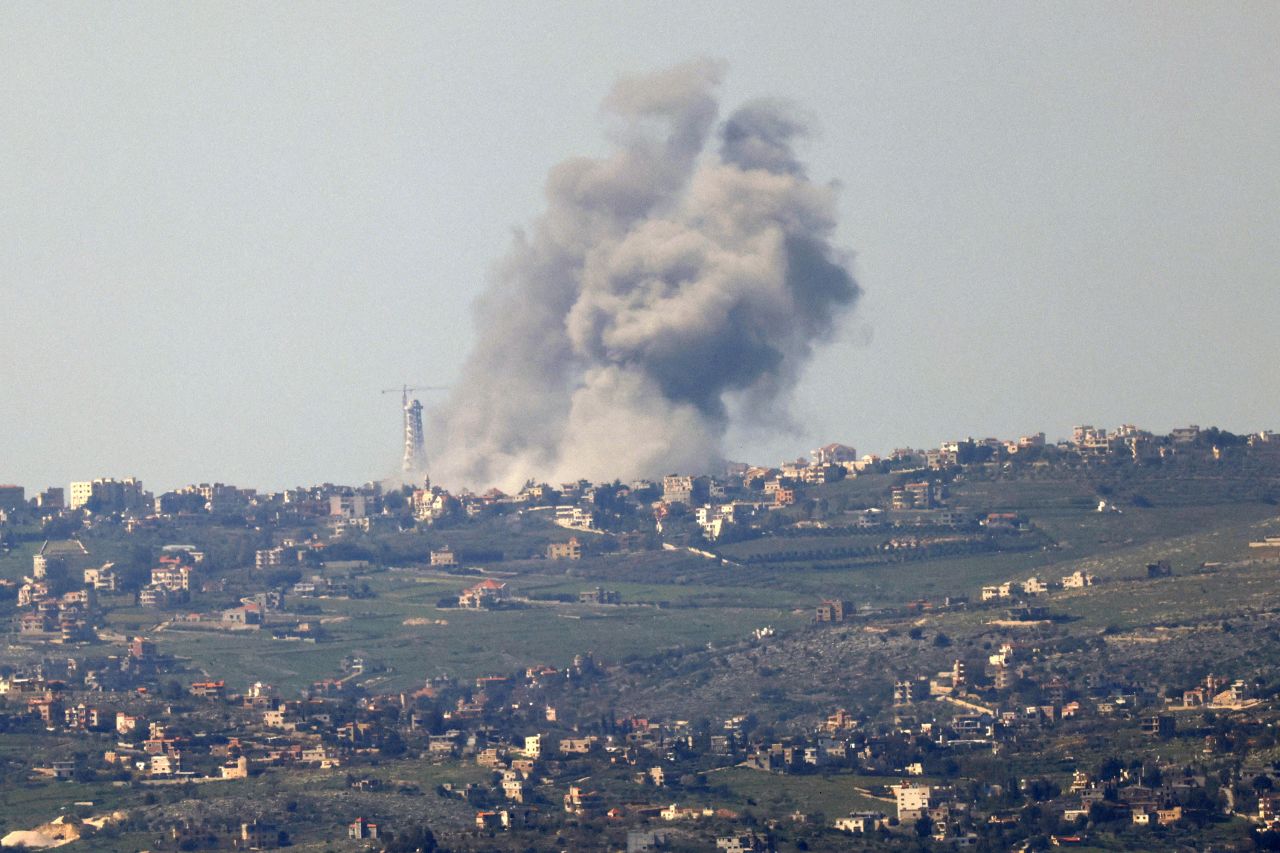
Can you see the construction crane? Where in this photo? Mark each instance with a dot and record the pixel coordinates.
(405, 389)
(415, 455)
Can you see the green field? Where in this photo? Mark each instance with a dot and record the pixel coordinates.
(831, 795)
(17, 562)
(472, 643)
(745, 789)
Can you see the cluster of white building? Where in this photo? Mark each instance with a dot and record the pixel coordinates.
(1033, 586)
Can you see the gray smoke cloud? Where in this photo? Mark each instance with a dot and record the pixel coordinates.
(666, 290)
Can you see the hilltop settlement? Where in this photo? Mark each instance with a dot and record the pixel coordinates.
(993, 644)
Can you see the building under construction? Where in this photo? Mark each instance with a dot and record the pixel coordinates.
(415, 456)
(414, 464)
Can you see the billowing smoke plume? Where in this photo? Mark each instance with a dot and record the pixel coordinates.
(664, 287)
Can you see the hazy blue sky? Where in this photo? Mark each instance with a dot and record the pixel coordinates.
(224, 227)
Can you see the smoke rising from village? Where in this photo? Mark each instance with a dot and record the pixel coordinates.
(668, 290)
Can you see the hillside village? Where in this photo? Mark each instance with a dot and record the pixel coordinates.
(995, 644)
